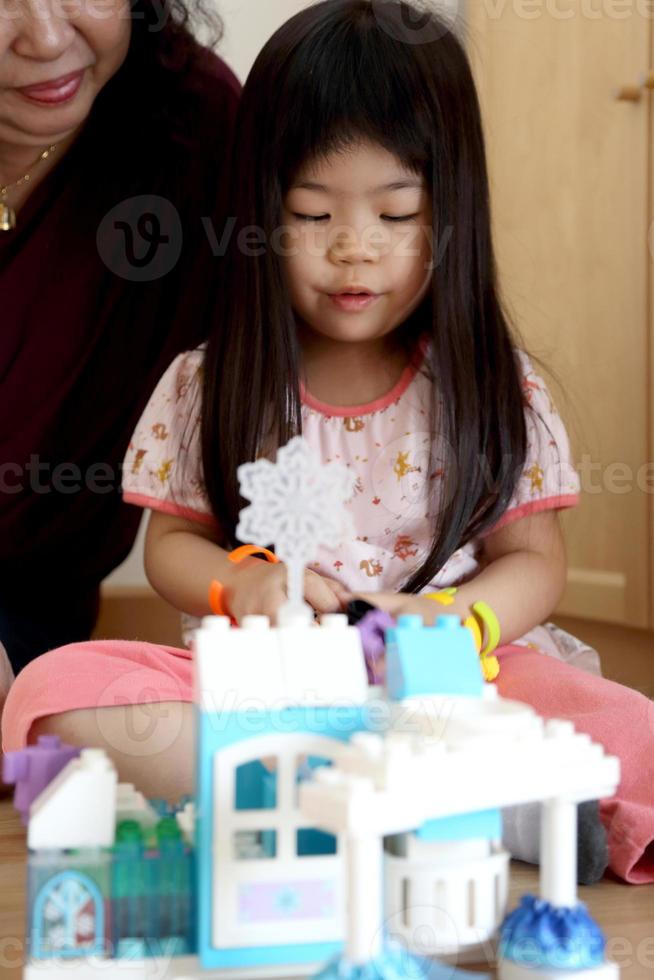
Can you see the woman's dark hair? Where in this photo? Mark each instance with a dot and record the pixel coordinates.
(340, 72)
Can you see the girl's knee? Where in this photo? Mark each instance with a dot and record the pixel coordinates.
(31, 704)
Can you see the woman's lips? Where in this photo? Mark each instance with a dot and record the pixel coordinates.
(353, 302)
(56, 91)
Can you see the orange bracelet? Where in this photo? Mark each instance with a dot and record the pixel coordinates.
(217, 589)
(217, 600)
(247, 550)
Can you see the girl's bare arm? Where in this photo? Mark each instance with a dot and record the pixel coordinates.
(183, 557)
(522, 580)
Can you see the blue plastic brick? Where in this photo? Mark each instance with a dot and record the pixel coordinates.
(484, 824)
(431, 660)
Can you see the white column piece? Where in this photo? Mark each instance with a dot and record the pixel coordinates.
(364, 869)
(558, 853)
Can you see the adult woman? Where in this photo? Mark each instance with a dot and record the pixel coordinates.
(115, 132)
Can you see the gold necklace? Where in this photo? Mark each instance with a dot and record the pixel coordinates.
(7, 213)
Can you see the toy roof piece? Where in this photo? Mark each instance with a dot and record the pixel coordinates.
(78, 808)
(389, 784)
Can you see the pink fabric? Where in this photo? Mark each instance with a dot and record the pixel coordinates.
(535, 507)
(110, 673)
(99, 674)
(169, 507)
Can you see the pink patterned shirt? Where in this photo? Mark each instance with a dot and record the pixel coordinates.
(393, 449)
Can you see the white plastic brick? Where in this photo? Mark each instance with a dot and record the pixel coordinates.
(514, 971)
(273, 667)
(186, 821)
(159, 968)
(406, 787)
(323, 665)
(444, 853)
(132, 805)
(436, 908)
(78, 808)
(238, 668)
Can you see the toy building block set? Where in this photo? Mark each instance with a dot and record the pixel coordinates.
(338, 830)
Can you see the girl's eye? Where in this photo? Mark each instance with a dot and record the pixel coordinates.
(312, 217)
(398, 220)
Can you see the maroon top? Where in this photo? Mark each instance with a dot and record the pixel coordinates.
(82, 340)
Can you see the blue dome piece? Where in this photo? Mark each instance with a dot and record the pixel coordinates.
(395, 963)
(538, 934)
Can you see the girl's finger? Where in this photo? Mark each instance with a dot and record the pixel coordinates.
(340, 590)
(320, 595)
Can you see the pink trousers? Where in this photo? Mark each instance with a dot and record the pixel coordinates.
(110, 673)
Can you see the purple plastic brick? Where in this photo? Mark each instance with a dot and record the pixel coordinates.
(33, 768)
(373, 628)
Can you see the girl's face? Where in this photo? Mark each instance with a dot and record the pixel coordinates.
(358, 257)
(75, 46)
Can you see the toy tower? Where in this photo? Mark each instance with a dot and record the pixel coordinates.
(273, 704)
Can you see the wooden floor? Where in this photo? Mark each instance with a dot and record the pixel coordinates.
(626, 913)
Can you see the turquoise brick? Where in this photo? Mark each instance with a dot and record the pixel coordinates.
(431, 660)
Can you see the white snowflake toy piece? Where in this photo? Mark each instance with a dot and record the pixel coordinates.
(296, 505)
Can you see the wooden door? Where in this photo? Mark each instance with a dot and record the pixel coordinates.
(571, 177)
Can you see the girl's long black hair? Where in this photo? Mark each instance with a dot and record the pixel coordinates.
(342, 71)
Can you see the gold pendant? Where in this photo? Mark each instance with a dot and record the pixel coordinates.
(7, 217)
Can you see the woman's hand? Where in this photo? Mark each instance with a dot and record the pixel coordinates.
(259, 589)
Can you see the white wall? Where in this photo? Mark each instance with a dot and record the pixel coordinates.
(248, 25)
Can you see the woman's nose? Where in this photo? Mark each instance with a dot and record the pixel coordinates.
(43, 31)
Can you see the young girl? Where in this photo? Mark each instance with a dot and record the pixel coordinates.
(360, 307)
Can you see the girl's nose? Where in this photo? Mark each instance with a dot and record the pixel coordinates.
(350, 246)
(43, 32)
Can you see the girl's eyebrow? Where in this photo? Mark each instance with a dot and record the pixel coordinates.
(395, 185)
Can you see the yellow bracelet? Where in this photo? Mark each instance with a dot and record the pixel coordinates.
(492, 627)
(482, 621)
(445, 598)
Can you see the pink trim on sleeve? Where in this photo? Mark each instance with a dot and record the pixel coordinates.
(166, 507)
(534, 507)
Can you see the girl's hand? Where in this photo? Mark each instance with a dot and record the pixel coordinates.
(403, 604)
(259, 589)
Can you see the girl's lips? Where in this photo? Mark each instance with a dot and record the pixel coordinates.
(55, 91)
(353, 302)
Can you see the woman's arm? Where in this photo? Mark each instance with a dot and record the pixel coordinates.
(522, 581)
(182, 558)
